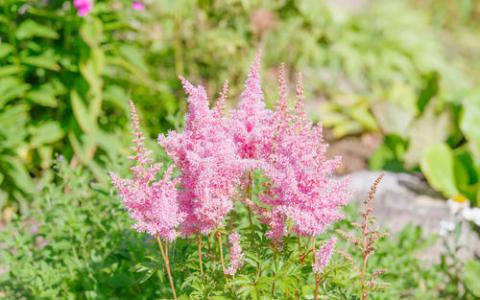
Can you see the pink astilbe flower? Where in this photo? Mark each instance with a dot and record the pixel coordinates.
(138, 5)
(84, 7)
(252, 123)
(302, 186)
(236, 254)
(323, 255)
(152, 204)
(210, 168)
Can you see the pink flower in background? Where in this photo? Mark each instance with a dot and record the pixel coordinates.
(138, 5)
(210, 168)
(236, 254)
(323, 255)
(84, 7)
(152, 204)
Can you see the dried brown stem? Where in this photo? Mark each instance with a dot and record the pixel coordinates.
(369, 236)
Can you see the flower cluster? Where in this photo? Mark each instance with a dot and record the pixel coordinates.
(214, 153)
(236, 254)
(152, 204)
(209, 165)
(253, 127)
(84, 7)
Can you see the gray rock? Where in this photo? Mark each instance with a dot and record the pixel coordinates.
(403, 199)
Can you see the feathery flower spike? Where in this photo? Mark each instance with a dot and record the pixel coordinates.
(323, 255)
(236, 254)
(152, 204)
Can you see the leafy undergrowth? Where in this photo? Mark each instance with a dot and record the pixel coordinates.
(78, 244)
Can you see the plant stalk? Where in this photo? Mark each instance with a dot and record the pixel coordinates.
(317, 285)
(164, 253)
(199, 240)
(219, 238)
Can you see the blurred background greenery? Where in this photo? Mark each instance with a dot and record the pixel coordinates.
(401, 76)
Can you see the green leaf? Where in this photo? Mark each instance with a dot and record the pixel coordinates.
(5, 49)
(469, 123)
(91, 32)
(91, 75)
(42, 96)
(80, 110)
(11, 88)
(471, 277)
(47, 133)
(30, 28)
(19, 174)
(429, 129)
(392, 118)
(438, 166)
(133, 55)
(46, 60)
(10, 70)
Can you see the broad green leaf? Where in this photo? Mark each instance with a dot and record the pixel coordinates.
(469, 123)
(438, 166)
(471, 277)
(392, 118)
(46, 133)
(429, 129)
(30, 28)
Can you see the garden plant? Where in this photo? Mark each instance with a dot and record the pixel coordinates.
(356, 178)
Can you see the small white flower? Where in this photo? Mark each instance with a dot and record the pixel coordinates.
(446, 227)
(472, 215)
(457, 206)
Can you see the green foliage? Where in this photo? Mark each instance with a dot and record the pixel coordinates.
(382, 67)
(441, 109)
(65, 82)
(78, 244)
(472, 277)
(437, 165)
